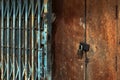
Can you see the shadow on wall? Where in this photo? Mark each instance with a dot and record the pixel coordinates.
(57, 10)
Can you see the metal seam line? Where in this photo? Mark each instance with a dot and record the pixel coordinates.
(2, 24)
(19, 40)
(14, 40)
(117, 32)
(85, 35)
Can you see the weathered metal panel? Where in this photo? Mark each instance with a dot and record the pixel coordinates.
(25, 46)
(101, 35)
(118, 42)
(68, 32)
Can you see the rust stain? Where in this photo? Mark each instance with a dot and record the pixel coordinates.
(68, 31)
(101, 34)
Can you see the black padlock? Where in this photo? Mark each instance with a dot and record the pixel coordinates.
(83, 47)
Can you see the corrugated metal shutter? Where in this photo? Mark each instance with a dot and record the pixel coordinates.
(25, 34)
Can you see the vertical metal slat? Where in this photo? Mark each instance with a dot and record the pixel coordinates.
(45, 50)
(38, 37)
(13, 40)
(8, 77)
(32, 40)
(19, 40)
(44, 34)
(26, 48)
(2, 25)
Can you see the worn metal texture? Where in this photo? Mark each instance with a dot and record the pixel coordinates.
(25, 46)
(101, 35)
(118, 42)
(68, 31)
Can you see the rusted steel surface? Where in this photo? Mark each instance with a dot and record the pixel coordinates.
(101, 35)
(68, 31)
(118, 42)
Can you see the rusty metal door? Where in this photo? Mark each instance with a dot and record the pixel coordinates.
(25, 37)
(102, 33)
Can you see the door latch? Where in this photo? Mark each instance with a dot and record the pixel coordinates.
(83, 47)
